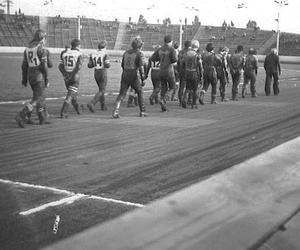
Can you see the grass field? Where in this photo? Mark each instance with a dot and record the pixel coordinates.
(91, 168)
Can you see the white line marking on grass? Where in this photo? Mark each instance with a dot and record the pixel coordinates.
(22, 184)
(67, 200)
(72, 197)
(63, 97)
(115, 201)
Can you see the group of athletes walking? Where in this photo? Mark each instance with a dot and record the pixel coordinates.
(184, 75)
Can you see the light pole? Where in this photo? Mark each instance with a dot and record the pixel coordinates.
(280, 4)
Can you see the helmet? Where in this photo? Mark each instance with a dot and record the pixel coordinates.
(239, 48)
(137, 43)
(167, 39)
(102, 44)
(187, 44)
(209, 47)
(195, 44)
(39, 35)
(252, 51)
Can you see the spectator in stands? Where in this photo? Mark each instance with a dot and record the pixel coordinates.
(166, 55)
(236, 64)
(35, 70)
(192, 66)
(100, 62)
(154, 66)
(133, 75)
(209, 74)
(250, 72)
(181, 71)
(70, 66)
(273, 70)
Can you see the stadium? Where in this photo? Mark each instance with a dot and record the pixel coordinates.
(220, 176)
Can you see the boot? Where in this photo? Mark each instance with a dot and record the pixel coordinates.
(64, 110)
(76, 106)
(151, 100)
(213, 99)
(136, 102)
(115, 113)
(91, 107)
(130, 101)
(43, 118)
(243, 91)
(201, 97)
(163, 106)
(21, 118)
(103, 106)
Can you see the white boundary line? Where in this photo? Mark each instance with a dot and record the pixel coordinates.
(62, 97)
(72, 197)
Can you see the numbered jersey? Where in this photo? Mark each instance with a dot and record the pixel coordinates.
(33, 57)
(70, 59)
(100, 59)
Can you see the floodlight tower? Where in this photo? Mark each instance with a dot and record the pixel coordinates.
(180, 35)
(280, 4)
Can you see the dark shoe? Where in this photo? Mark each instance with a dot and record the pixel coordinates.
(64, 116)
(183, 104)
(20, 119)
(91, 107)
(103, 107)
(151, 100)
(201, 98)
(163, 107)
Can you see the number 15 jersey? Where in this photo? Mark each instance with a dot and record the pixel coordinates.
(70, 59)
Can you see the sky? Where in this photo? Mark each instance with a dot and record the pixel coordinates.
(210, 12)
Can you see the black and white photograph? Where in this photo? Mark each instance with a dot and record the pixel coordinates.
(138, 125)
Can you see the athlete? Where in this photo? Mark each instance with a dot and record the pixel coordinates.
(250, 72)
(182, 81)
(192, 67)
(35, 71)
(133, 75)
(70, 66)
(100, 61)
(154, 66)
(166, 55)
(236, 64)
(209, 74)
(222, 74)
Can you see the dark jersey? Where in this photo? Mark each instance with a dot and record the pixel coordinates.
(133, 62)
(192, 61)
(251, 64)
(236, 62)
(166, 56)
(271, 63)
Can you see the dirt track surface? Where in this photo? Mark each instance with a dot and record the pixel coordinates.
(130, 159)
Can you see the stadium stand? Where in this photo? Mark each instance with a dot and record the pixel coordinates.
(16, 30)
